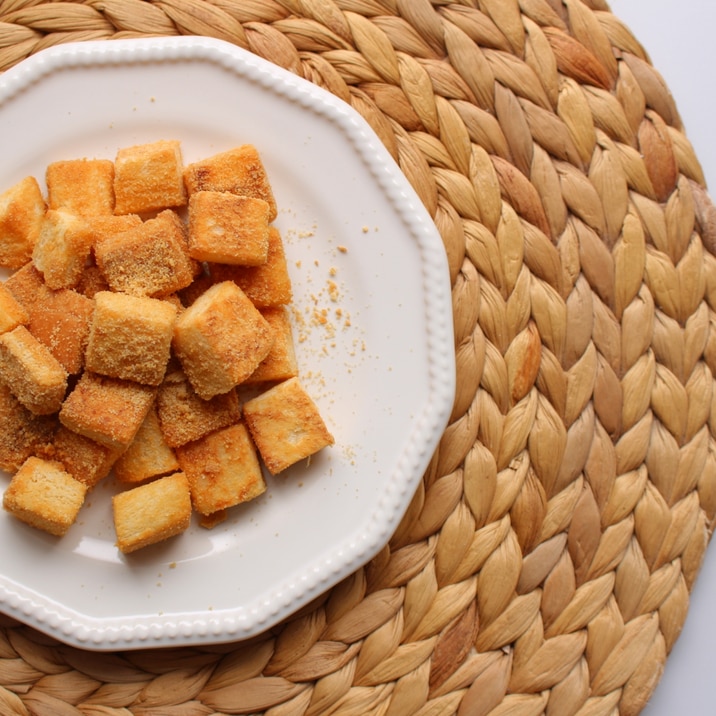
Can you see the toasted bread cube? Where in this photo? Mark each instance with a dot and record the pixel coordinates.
(81, 186)
(34, 375)
(28, 286)
(22, 433)
(130, 337)
(62, 249)
(148, 177)
(148, 456)
(286, 425)
(108, 410)
(43, 495)
(238, 171)
(266, 285)
(280, 364)
(22, 209)
(228, 228)
(220, 340)
(151, 513)
(149, 260)
(223, 469)
(12, 313)
(85, 459)
(184, 416)
(61, 321)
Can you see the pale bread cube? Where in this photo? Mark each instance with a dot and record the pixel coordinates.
(42, 494)
(130, 337)
(223, 469)
(85, 459)
(28, 286)
(22, 209)
(33, 374)
(81, 186)
(280, 364)
(148, 177)
(220, 339)
(286, 425)
(152, 513)
(12, 313)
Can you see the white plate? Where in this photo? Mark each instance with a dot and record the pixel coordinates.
(382, 373)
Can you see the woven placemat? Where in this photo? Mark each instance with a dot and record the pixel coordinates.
(545, 563)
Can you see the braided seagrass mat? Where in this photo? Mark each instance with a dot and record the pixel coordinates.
(546, 560)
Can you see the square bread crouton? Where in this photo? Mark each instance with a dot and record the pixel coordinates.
(12, 313)
(108, 410)
(148, 177)
(228, 228)
(62, 249)
(28, 286)
(81, 186)
(184, 416)
(148, 456)
(22, 209)
(130, 337)
(285, 424)
(223, 469)
(280, 364)
(151, 259)
(22, 433)
(85, 459)
(220, 339)
(61, 321)
(34, 375)
(151, 513)
(238, 171)
(266, 285)
(43, 495)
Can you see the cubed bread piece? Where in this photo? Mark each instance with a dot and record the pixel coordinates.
(12, 313)
(223, 469)
(280, 363)
(28, 286)
(228, 228)
(266, 285)
(184, 416)
(43, 495)
(286, 425)
(221, 339)
(239, 170)
(130, 337)
(108, 410)
(148, 177)
(148, 456)
(151, 513)
(22, 209)
(85, 459)
(33, 374)
(149, 260)
(62, 248)
(81, 186)
(61, 321)
(22, 433)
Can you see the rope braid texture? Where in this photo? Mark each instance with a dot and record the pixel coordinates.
(546, 560)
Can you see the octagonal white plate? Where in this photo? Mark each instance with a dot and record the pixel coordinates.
(372, 322)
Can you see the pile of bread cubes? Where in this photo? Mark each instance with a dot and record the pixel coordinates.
(145, 332)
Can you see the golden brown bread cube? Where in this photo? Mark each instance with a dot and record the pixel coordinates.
(22, 209)
(228, 228)
(151, 259)
(130, 337)
(280, 363)
(12, 312)
(239, 171)
(62, 248)
(61, 321)
(151, 513)
(81, 186)
(220, 339)
(286, 425)
(108, 410)
(85, 459)
(223, 469)
(148, 455)
(148, 177)
(28, 286)
(45, 496)
(33, 374)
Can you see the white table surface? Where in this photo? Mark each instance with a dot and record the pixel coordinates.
(678, 35)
